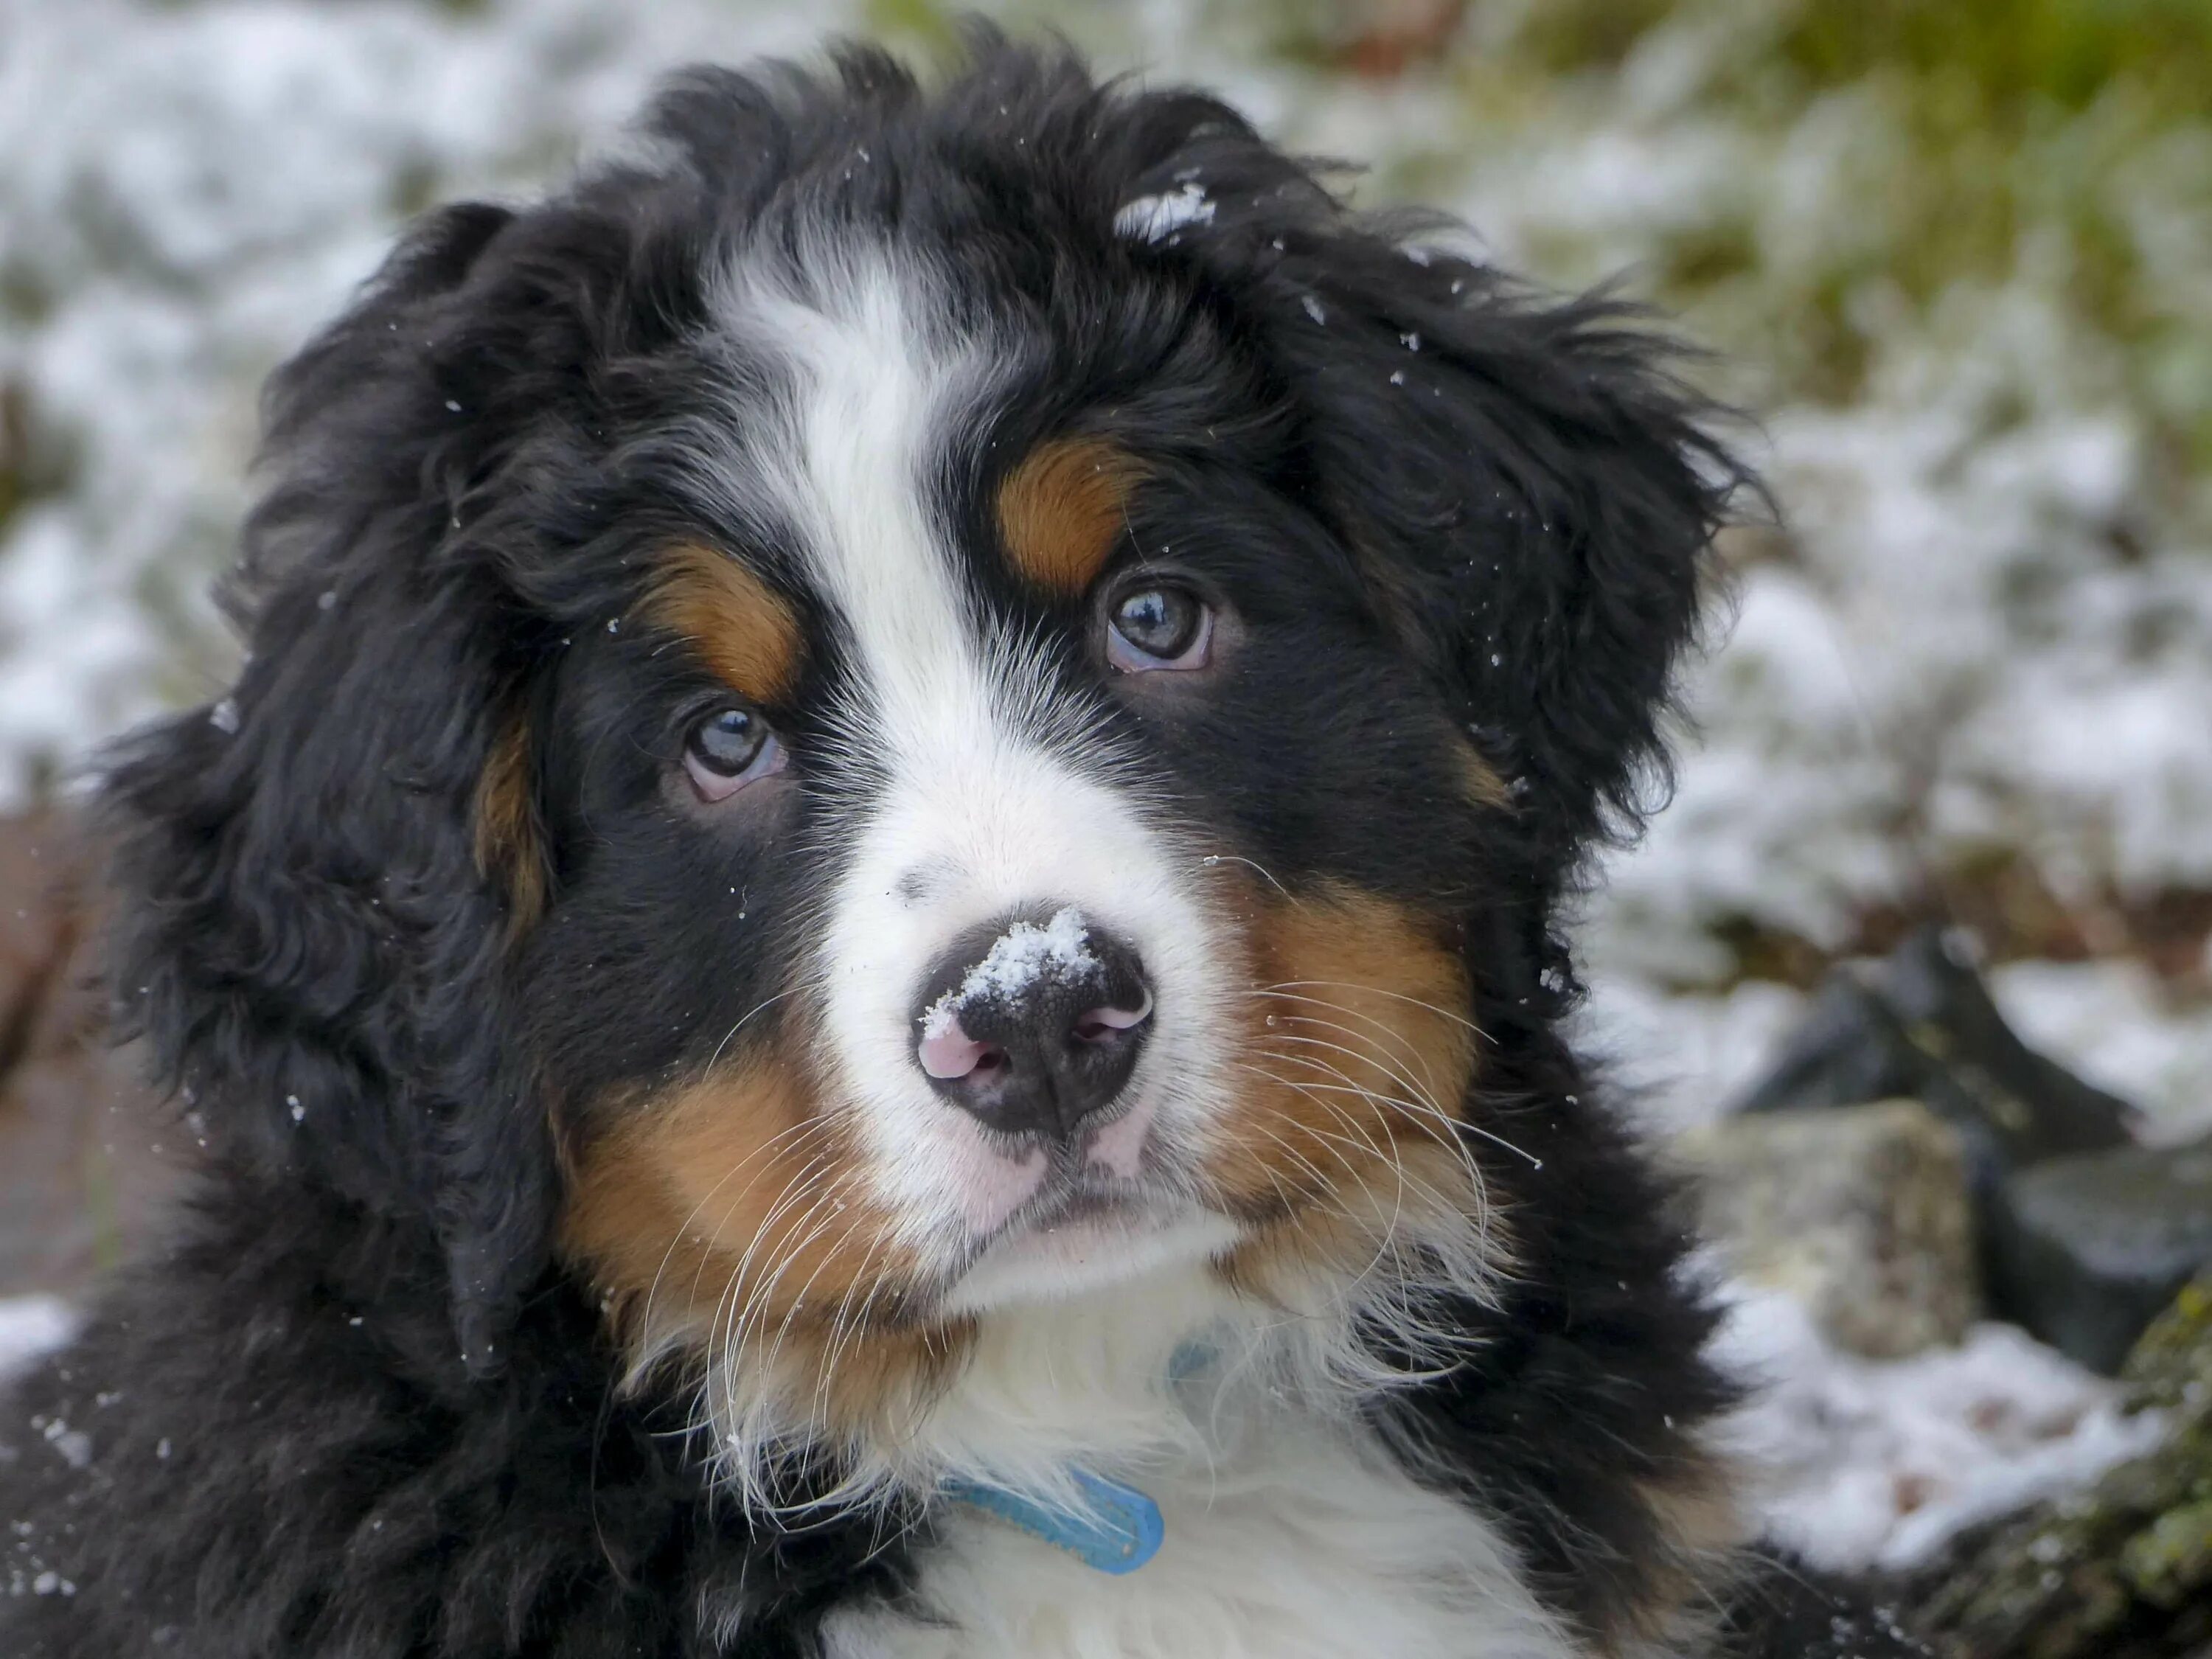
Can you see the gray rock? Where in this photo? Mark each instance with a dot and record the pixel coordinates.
(1862, 1212)
(2084, 1251)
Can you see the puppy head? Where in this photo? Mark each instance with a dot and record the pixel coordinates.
(928, 703)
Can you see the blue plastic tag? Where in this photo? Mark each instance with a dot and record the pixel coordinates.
(1118, 1530)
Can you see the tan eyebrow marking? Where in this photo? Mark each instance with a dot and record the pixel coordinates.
(746, 633)
(1063, 508)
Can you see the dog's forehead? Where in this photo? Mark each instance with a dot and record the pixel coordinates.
(860, 398)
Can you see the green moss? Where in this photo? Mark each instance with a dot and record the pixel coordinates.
(1572, 35)
(2171, 1366)
(2005, 57)
(1707, 256)
(922, 24)
(2172, 1558)
(2131, 1552)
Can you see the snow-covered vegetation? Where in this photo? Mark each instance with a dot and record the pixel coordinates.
(1958, 259)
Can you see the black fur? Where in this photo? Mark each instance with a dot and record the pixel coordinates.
(358, 1408)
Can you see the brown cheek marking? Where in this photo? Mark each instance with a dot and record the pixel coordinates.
(1353, 1087)
(510, 849)
(1063, 508)
(731, 1202)
(746, 634)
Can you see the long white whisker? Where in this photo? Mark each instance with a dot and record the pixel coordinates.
(1466, 1124)
(1212, 859)
(743, 1020)
(1289, 987)
(683, 1226)
(1362, 1139)
(1442, 1131)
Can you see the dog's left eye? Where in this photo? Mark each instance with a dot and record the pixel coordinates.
(727, 749)
(1160, 625)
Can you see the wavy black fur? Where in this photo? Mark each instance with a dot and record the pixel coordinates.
(356, 1409)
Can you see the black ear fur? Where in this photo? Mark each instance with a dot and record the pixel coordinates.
(304, 938)
(1533, 487)
(1539, 493)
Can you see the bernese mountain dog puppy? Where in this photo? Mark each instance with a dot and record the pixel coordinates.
(869, 956)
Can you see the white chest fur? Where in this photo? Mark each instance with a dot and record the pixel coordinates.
(1290, 1532)
(1302, 1549)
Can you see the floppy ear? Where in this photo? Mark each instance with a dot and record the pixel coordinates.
(1536, 495)
(1531, 487)
(308, 937)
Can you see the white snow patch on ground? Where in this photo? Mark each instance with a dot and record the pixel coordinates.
(2116, 1025)
(29, 1326)
(1876, 1464)
(1683, 1059)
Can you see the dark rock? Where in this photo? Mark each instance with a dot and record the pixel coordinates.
(1921, 1025)
(2122, 1571)
(1790, 1611)
(1861, 1213)
(2084, 1251)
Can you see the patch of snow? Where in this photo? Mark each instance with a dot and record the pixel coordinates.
(2118, 1026)
(1681, 1058)
(74, 1445)
(1872, 1464)
(30, 1325)
(1155, 218)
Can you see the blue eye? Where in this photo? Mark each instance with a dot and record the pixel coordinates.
(1160, 625)
(729, 749)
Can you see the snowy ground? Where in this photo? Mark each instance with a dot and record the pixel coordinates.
(29, 1325)
(1875, 1464)
(1985, 622)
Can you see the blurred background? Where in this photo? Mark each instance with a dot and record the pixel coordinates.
(1956, 257)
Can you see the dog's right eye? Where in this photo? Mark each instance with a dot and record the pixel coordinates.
(1158, 625)
(728, 749)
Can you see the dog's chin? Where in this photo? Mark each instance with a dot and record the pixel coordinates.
(1083, 1243)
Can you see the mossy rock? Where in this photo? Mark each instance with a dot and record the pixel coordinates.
(1860, 1212)
(2121, 1571)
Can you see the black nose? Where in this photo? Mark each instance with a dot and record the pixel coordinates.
(1033, 1024)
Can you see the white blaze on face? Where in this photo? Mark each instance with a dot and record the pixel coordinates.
(982, 808)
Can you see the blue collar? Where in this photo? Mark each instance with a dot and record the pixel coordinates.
(1115, 1529)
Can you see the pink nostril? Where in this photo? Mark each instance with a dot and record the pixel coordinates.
(1093, 1025)
(948, 1052)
